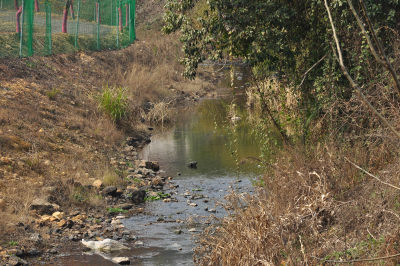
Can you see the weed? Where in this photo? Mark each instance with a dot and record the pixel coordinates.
(111, 178)
(114, 102)
(13, 243)
(52, 94)
(159, 196)
(116, 210)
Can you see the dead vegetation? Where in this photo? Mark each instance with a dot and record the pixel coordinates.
(53, 133)
(334, 200)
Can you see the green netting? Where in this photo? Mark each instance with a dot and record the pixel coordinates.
(43, 30)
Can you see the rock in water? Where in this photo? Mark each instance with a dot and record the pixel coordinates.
(110, 191)
(106, 245)
(121, 260)
(137, 196)
(192, 165)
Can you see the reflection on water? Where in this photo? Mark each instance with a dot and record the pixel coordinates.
(226, 152)
(206, 134)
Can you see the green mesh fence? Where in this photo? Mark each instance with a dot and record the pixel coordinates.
(45, 27)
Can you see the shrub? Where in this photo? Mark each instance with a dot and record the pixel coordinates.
(114, 102)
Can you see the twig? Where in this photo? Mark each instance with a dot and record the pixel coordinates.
(358, 260)
(371, 175)
(350, 79)
(385, 60)
(303, 250)
(395, 214)
(308, 71)
(371, 234)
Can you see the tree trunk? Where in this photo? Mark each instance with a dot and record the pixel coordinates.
(37, 5)
(120, 18)
(65, 17)
(97, 13)
(18, 20)
(16, 6)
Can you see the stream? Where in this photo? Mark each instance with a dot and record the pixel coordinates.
(226, 161)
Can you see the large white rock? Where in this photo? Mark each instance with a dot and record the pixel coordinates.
(106, 245)
(121, 260)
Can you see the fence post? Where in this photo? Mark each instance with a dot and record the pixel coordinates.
(132, 31)
(98, 24)
(77, 24)
(112, 12)
(21, 29)
(48, 27)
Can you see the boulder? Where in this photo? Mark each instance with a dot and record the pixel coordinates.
(192, 165)
(58, 215)
(125, 206)
(110, 191)
(43, 207)
(2, 205)
(153, 165)
(157, 181)
(98, 184)
(137, 196)
(121, 260)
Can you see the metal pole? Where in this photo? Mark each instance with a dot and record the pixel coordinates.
(77, 24)
(21, 32)
(112, 8)
(98, 25)
(117, 27)
(48, 27)
(130, 22)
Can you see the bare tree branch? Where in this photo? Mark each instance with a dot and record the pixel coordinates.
(308, 71)
(371, 175)
(350, 79)
(379, 55)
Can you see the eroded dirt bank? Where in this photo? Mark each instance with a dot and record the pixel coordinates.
(66, 168)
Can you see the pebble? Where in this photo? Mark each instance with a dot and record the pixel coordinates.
(121, 260)
(192, 230)
(139, 243)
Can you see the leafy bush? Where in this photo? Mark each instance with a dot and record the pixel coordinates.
(114, 102)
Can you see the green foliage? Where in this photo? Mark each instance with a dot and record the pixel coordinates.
(52, 94)
(13, 243)
(285, 39)
(159, 196)
(114, 102)
(116, 210)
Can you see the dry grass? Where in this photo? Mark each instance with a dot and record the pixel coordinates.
(314, 207)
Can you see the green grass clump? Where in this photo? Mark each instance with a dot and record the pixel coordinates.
(52, 94)
(160, 195)
(114, 102)
(116, 210)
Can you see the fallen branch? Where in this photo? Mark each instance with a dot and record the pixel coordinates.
(358, 260)
(371, 175)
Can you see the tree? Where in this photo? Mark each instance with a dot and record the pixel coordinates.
(68, 5)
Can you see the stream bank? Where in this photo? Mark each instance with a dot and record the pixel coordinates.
(166, 228)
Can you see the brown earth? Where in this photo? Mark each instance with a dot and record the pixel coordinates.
(53, 134)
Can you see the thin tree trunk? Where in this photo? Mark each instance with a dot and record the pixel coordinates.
(355, 86)
(126, 15)
(65, 17)
(18, 20)
(37, 5)
(265, 108)
(120, 18)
